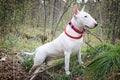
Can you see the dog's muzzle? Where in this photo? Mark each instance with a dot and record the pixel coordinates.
(96, 24)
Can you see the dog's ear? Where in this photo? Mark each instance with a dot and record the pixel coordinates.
(76, 10)
(83, 8)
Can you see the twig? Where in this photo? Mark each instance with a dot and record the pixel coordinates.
(43, 70)
(95, 35)
(89, 44)
(61, 18)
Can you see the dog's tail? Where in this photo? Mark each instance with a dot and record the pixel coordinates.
(27, 53)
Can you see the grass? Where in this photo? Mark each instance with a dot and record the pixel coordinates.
(93, 52)
(105, 63)
(19, 41)
(75, 68)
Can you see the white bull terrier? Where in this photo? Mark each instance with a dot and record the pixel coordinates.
(68, 42)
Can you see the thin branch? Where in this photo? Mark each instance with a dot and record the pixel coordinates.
(88, 44)
(93, 34)
(44, 22)
(44, 70)
(66, 9)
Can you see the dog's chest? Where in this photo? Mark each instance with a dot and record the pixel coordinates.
(73, 44)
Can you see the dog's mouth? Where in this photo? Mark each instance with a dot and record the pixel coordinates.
(89, 27)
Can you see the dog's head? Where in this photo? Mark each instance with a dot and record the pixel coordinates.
(83, 18)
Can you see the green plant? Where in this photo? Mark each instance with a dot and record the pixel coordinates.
(9, 40)
(75, 68)
(93, 52)
(104, 65)
(27, 63)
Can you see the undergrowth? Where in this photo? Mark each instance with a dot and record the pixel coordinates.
(104, 62)
(76, 70)
(100, 63)
(27, 63)
(93, 52)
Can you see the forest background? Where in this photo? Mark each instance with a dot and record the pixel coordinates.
(27, 24)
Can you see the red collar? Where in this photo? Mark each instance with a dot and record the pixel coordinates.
(76, 30)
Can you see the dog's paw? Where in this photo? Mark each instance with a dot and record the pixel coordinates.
(67, 72)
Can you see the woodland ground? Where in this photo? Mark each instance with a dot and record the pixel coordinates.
(27, 39)
(16, 65)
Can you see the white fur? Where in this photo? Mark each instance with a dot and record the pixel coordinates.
(64, 46)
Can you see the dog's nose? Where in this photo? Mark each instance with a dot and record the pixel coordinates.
(96, 24)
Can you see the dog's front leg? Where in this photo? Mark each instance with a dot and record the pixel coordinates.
(67, 59)
(79, 56)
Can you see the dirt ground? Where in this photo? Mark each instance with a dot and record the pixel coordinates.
(10, 66)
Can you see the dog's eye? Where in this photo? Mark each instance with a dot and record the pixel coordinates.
(85, 16)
